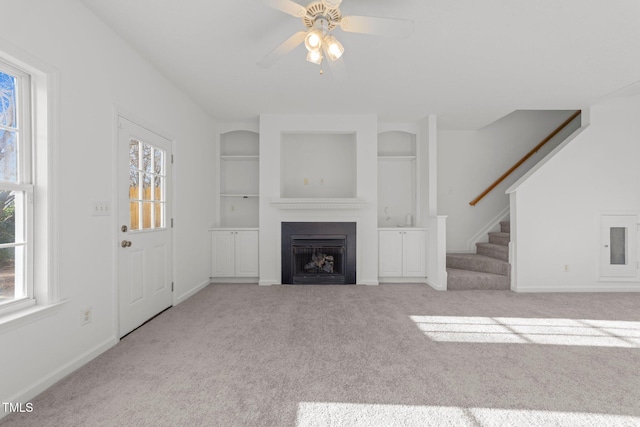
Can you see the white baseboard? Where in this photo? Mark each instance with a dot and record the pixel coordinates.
(563, 288)
(192, 292)
(401, 280)
(234, 280)
(368, 282)
(267, 283)
(436, 287)
(47, 381)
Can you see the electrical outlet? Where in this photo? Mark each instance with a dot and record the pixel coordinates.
(86, 316)
(101, 208)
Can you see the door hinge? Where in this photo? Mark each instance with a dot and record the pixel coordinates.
(171, 222)
(171, 286)
(172, 159)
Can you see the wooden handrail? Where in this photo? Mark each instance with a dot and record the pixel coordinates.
(525, 158)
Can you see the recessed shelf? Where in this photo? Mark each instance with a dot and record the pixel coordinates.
(397, 190)
(396, 143)
(239, 179)
(239, 157)
(239, 143)
(398, 157)
(318, 165)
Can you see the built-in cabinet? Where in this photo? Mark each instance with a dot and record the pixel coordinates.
(401, 246)
(402, 253)
(234, 240)
(234, 253)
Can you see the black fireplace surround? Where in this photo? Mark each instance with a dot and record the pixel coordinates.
(319, 253)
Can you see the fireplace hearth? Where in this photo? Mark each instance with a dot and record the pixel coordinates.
(319, 253)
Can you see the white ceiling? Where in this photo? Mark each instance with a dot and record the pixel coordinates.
(469, 61)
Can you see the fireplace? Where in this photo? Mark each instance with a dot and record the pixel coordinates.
(319, 253)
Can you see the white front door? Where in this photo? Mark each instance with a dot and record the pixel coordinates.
(144, 225)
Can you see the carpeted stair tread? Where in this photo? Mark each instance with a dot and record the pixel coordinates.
(500, 252)
(475, 280)
(505, 226)
(481, 263)
(500, 238)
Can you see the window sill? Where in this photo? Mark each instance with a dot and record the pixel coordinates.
(18, 318)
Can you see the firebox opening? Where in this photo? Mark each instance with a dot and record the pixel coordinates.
(313, 253)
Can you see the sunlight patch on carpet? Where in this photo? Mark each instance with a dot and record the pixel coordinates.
(517, 330)
(326, 414)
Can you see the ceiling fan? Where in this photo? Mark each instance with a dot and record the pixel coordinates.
(320, 17)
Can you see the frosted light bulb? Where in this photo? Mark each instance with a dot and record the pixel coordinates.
(333, 46)
(313, 40)
(335, 50)
(315, 56)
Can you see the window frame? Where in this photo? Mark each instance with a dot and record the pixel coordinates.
(45, 106)
(24, 184)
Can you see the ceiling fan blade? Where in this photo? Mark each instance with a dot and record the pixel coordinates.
(286, 47)
(287, 6)
(379, 26)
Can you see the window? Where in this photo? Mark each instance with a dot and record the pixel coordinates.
(16, 186)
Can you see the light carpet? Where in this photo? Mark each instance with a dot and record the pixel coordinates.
(388, 355)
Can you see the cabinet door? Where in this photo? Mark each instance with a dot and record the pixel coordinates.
(413, 250)
(247, 254)
(222, 253)
(618, 249)
(390, 254)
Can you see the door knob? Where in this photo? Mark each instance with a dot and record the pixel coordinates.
(124, 228)
(125, 243)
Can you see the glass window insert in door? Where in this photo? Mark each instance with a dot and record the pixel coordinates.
(618, 245)
(147, 181)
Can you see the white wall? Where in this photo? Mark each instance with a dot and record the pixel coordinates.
(556, 210)
(469, 161)
(96, 72)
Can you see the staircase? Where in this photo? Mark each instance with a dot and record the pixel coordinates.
(488, 268)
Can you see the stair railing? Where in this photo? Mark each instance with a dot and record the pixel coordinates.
(524, 159)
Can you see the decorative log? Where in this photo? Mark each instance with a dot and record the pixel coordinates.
(321, 263)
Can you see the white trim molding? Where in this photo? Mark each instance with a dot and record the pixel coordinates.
(313, 204)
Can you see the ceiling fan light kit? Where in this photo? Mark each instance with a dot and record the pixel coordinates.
(320, 18)
(333, 46)
(313, 39)
(315, 56)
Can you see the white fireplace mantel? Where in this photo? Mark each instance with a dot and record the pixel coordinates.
(318, 203)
